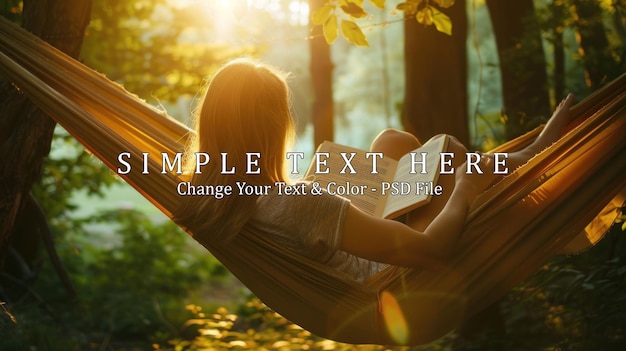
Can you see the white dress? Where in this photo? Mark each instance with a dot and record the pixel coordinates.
(311, 225)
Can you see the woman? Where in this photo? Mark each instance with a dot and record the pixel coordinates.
(246, 109)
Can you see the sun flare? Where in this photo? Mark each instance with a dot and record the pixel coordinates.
(230, 19)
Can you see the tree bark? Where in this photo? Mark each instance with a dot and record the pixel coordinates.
(522, 65)
(559, 66)
(435, 100)
(558, 16)
(25, 131)
(593, 43)
(322, 77)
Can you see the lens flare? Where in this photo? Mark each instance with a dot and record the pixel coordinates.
(394, 318)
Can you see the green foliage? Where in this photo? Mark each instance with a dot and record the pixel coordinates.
(353, 33)
(131, 276)
(155, 50)
(572, 303)
(142, 267)
(12, 10)
(427, 14)
(130, 273)
(70, 169)
(579, 300)
(559, 19)
(255, 327)
(329, 14)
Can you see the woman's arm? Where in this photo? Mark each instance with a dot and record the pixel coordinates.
(392, 242)
(397, 244)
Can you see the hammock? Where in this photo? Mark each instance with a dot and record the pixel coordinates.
(513, 229)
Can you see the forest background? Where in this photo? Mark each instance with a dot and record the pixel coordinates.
(90, 266)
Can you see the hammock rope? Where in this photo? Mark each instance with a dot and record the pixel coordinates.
(512, 230)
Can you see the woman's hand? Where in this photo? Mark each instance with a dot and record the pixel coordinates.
(474, 183)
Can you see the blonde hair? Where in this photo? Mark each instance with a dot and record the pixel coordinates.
(245, 109)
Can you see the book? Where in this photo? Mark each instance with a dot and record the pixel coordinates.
(383, 187)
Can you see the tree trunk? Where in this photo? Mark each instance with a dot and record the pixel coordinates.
(593, 43)
(522, 65)
(322, 77)
(435, 100)
(558, 16)
(25, 131)
(559, 66)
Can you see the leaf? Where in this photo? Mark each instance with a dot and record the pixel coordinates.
(354, 8)
(588, 286)
(321, 15)
(444, 3)
(353, 33)
(330, 29)
(378, 3)
(409, 7)
(442, 21)
(424, 16)
(358, 3)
